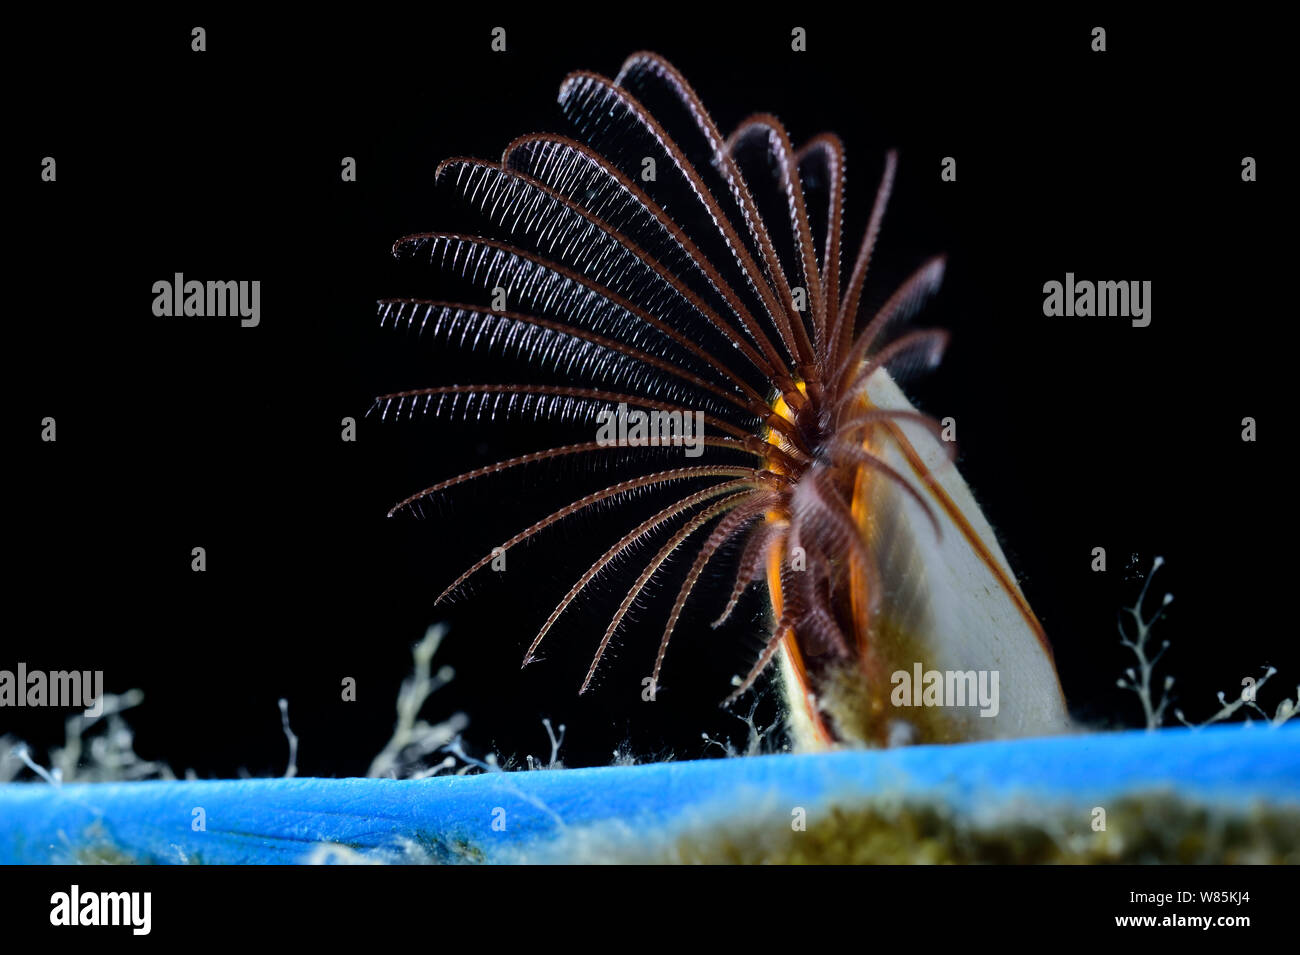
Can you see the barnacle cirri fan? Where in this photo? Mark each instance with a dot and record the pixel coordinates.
(677, 273)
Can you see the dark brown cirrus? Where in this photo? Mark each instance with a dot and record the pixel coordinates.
(657, 266)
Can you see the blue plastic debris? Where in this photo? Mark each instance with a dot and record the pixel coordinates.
(605, 813)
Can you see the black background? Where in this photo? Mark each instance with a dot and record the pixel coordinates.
(175, 433)
(1086, 898)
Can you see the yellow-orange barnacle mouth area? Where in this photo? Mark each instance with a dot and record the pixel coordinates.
(804, 666)
(776, 438)
(800, 697)
(834, 694)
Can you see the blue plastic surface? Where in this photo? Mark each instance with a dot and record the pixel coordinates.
(527, 815)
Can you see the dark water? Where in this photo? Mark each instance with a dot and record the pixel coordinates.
(1074, 433)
